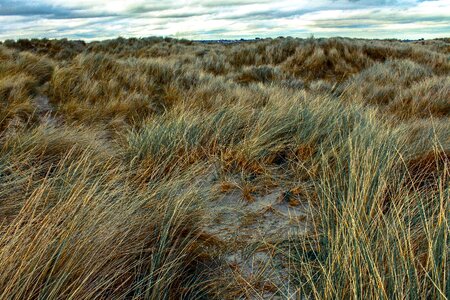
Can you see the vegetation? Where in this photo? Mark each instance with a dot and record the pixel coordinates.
(113, 153)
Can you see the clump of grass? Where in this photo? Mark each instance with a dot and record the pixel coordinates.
(214, 63)
(375, 236)
(327, 59)
(429, 97)
(382, 82)
(22, 77)
(65, 193)
(96, 236)
(263, 74)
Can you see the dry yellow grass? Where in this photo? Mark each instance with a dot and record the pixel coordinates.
(106, 152)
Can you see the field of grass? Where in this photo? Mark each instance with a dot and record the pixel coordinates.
(271, 169)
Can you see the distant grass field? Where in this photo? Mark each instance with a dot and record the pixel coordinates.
(107, 150)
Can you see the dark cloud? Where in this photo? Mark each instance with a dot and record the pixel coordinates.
(181, 15)
(229, 3)
(267, 14)
(344, 25)
(366, 20)
(149, 7)
(29, 8)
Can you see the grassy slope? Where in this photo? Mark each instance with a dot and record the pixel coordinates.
(101, 143)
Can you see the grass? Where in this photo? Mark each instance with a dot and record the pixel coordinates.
(111, 153)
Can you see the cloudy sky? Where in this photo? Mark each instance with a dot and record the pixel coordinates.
(223, 19)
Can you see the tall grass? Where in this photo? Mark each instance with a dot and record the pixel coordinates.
(378, 234)
(84, 231)
(110, 153)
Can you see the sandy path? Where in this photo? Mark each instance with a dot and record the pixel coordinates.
(250, 234)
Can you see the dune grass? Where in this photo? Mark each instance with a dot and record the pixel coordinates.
(106, 149)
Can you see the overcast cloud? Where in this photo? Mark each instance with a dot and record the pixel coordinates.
(223, 19)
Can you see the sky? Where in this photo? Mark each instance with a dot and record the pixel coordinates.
(223, 19)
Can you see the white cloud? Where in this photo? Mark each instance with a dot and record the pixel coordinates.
(202, 19)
